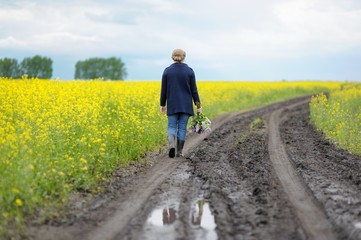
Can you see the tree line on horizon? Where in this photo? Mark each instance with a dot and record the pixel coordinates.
(41, 67)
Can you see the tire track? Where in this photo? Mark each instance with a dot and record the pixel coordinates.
(310, 214)
(112, 220)
(116, 214)
(115, 224)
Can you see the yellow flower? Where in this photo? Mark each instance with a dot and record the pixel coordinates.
(18, 202)
(54, 125)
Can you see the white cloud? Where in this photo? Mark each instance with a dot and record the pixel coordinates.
(11, 42)
(214, 33)
(320, 26)
(233, 27)
(11, 15)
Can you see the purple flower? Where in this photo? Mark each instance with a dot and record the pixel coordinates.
(201, 124)
(197, 128)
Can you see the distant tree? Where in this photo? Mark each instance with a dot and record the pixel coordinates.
(106, 68)
(9, 68)
(37, 67)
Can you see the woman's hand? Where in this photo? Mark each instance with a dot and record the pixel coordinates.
(199, 107)
(163, 110)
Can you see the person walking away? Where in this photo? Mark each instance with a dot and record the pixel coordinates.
(178, 91)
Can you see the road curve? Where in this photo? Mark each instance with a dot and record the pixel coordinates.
(114, 225)
(310, 213)
(111, 221)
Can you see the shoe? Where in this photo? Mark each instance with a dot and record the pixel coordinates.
(171, 142)
(180, 145)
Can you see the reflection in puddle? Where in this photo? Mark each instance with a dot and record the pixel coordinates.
(162, 216)
(202, 216)
(161, 223)
(168, 216)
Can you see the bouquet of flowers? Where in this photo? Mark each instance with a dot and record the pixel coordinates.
(200, 124)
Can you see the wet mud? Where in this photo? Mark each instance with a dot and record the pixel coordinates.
(230, 181)
(246, 197)
(332, 174)
(225, 187)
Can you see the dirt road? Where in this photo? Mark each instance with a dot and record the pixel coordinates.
(261, 174)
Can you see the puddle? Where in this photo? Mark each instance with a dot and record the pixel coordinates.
(162, 222)
(202, 218)
(358, 225)
(163, 216)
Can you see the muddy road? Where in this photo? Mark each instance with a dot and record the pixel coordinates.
(261, 174)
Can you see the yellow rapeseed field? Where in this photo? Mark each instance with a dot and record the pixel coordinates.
(57, 137)
(339, 116)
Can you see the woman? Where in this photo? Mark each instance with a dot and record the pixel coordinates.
(178, 91)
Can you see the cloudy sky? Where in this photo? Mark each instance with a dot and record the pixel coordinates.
(224, 40)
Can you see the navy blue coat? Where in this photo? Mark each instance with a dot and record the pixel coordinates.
(179, 89)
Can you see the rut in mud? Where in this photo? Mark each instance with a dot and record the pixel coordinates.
(227, 187)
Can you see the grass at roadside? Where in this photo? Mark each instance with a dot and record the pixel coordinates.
(58, 137)
(339, 116)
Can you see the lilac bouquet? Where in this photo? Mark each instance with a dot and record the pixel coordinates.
(200, 124)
